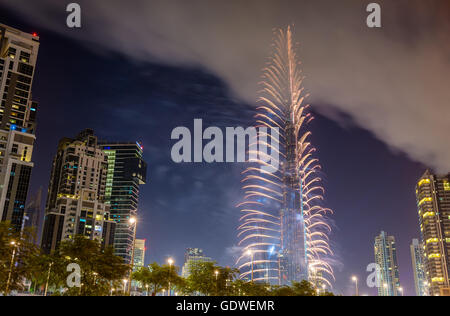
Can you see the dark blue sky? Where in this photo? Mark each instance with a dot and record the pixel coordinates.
(369, 187)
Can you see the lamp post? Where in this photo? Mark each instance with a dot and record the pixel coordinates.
(48, 278)
(133, 222)
(217, 281)
(386, 290)
(125, 281)
(13, 243)
(250, 253)
(400, 289)
(170, 262)
(355, 279)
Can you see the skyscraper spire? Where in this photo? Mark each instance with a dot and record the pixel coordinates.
(283, 231)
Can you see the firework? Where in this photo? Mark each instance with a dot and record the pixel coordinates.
(283, 228)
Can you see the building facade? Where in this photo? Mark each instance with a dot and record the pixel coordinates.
(127, 170)
(139, 254)
(191, 257)
(418, 263)
(18, 56)
(386, 259)
(76, 194)
(433, 203)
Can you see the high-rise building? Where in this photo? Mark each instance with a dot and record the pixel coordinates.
(283, 229)
(76, 194)
(433, 202)
(139, 254)
(418, 263)
(191, 257)
(127, 170)
(386, 259)
(18, 56)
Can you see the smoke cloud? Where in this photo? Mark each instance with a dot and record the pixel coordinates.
(392, 81)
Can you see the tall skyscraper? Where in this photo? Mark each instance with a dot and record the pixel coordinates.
(418, 263)
(76, 194)
(139, 254)
(18, 56)
(284, 230)
(191, 257)
(433, 202)
(127, 170)
(386, 259)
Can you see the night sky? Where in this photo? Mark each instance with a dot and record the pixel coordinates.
(369, 179)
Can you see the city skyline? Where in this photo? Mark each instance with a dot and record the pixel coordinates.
(378, 171)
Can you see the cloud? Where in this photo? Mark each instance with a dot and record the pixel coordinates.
(391, 81)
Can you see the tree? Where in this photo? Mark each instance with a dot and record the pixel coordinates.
(244, 288)
(17, 253)
(209, 279)
(100, 269)
(48, 271)
(157, 278)
(303, 288)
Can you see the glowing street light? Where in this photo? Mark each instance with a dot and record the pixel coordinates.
(12, 243)
(170, 261)
(355, 279)
(125, 281)
(217, 281)
(133, 222)
(400, 289)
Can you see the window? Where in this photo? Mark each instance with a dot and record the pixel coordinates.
(25, 69)
(446, 185)
(25, 57)
(12, 52)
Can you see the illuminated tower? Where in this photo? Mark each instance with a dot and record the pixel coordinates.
(418, 263)
(127, 170)
(283, 231)
(76, 194)
(18, 56)
(191, 257)
(386, 259)
(139, 254)
(433, 202)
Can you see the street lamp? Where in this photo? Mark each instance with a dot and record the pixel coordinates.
(133, 222)
(355, 279)
(13, 243)
(125, 281)
(217, 282)
(250, 253)
(48, 278)
(386, 291)
(400, 289)
(170, 262)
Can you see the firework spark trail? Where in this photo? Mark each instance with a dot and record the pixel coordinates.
(264, 225)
